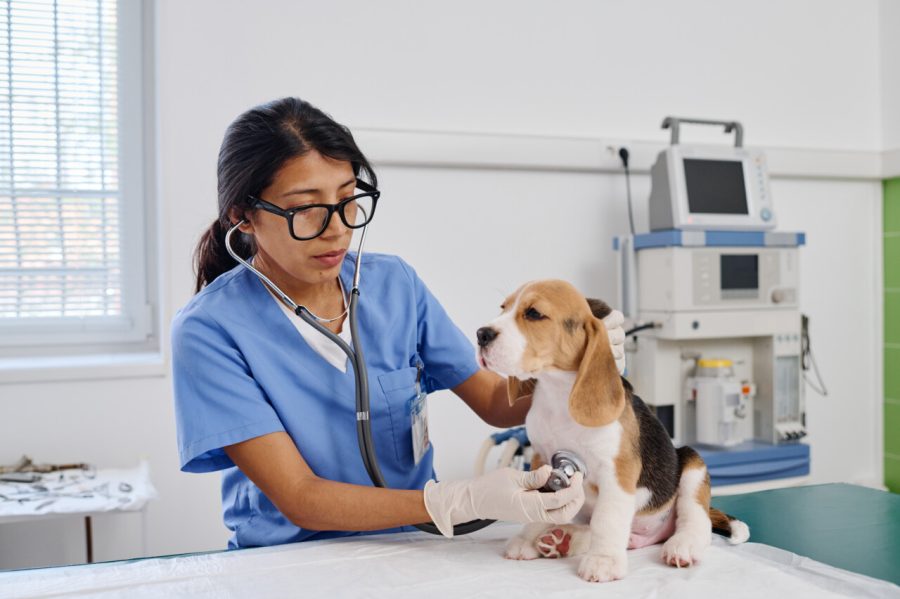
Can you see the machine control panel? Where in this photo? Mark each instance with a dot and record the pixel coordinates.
(717, 278)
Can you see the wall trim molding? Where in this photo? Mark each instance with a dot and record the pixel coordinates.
(890, 165)
(504, 151)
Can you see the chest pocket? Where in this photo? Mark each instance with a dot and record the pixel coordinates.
(399, 387)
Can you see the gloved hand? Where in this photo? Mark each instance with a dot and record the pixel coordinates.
(614, 321)
(502, 494)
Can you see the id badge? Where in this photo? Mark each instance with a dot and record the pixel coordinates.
(418, 412)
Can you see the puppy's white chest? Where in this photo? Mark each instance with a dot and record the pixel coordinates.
(551, 427)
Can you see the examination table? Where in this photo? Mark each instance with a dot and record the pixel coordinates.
(818, 542)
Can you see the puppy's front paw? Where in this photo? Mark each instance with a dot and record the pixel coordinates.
(554, 543)
(602, 568)
(685, 548)
(519, 548)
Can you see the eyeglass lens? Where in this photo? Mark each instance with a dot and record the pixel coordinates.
(312, 221)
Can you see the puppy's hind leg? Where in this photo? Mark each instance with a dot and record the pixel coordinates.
(693, 528)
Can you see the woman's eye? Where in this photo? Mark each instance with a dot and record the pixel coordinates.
(532, 314)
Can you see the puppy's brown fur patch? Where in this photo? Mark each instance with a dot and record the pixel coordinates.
(551, 343)
(628, 460)
(691, 460)
(719, 519)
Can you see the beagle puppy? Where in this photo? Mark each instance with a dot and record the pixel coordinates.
(640, 490)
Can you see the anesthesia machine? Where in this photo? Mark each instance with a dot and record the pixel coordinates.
(720, 355)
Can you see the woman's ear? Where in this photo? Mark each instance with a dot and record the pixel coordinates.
(598, 397)
(234, 217)
(516, 389)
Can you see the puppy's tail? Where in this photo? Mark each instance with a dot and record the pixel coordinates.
(729, 527)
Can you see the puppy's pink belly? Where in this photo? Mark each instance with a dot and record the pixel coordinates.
(650, 530)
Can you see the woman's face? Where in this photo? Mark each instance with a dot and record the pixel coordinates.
(308, 179)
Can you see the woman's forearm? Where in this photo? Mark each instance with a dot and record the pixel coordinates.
(322, 504)
(486, 393)
(275, 465)
(505, 415)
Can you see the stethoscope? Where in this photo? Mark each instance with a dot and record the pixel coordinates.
(355, 355)
(564, 463)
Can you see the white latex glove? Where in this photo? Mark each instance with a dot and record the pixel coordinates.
(614, 321)
(502, 494)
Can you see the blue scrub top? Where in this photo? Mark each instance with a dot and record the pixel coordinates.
(242, 370)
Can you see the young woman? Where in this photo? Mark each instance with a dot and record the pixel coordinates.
(266, 398)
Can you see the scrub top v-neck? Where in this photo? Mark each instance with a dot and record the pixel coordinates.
(241, 370)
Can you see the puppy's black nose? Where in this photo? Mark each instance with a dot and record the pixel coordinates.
(485, 336)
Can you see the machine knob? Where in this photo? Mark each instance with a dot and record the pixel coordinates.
(778, 296)
(765, 214)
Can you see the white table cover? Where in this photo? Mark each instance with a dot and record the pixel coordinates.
(420, 565)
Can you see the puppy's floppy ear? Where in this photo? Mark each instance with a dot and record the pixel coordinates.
(599, 308)
(598, 397)
(516, 389)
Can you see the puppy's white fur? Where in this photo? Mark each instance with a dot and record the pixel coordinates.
(692, 535)
(504, 355)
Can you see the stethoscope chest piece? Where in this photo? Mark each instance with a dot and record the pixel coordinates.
(565, 464)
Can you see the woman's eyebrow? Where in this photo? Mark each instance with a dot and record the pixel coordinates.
(314, 190)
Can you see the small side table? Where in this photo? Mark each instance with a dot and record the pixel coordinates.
(83, 494)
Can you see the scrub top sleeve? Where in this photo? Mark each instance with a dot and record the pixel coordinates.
(447, 354)
(217, 401)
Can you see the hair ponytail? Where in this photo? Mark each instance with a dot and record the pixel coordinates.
(211, 257)
(254, 148)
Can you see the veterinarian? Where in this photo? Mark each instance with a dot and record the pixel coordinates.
(267, 399)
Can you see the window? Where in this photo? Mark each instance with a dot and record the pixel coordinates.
(72, 213)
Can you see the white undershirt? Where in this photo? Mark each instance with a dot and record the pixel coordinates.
(322, 345)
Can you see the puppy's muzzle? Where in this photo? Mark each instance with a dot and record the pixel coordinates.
(485, 336)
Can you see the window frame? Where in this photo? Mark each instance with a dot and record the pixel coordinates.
(136, 329)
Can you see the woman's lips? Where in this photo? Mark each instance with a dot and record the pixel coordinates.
(330, 259)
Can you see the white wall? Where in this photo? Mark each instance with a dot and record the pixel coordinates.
(604, 69)
(889, 39)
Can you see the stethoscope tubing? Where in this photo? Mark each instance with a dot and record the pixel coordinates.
(361, 376)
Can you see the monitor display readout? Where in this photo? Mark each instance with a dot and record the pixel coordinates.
(739, 271)
(715, 186)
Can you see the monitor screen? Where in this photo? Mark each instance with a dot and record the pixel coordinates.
(739, 271)
(715, 186)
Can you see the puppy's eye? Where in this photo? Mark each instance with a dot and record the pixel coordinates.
(532, 314)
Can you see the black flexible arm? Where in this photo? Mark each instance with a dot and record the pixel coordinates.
(632, 331)
(363, 422)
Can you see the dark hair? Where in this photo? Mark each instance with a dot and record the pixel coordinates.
(255, 147)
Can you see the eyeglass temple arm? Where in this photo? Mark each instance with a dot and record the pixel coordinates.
(365, 186)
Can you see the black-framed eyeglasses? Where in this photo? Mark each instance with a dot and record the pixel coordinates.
(309, 221)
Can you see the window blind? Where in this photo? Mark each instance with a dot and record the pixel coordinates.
(60, 201)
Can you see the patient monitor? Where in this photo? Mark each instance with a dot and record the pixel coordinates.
(713, 187)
